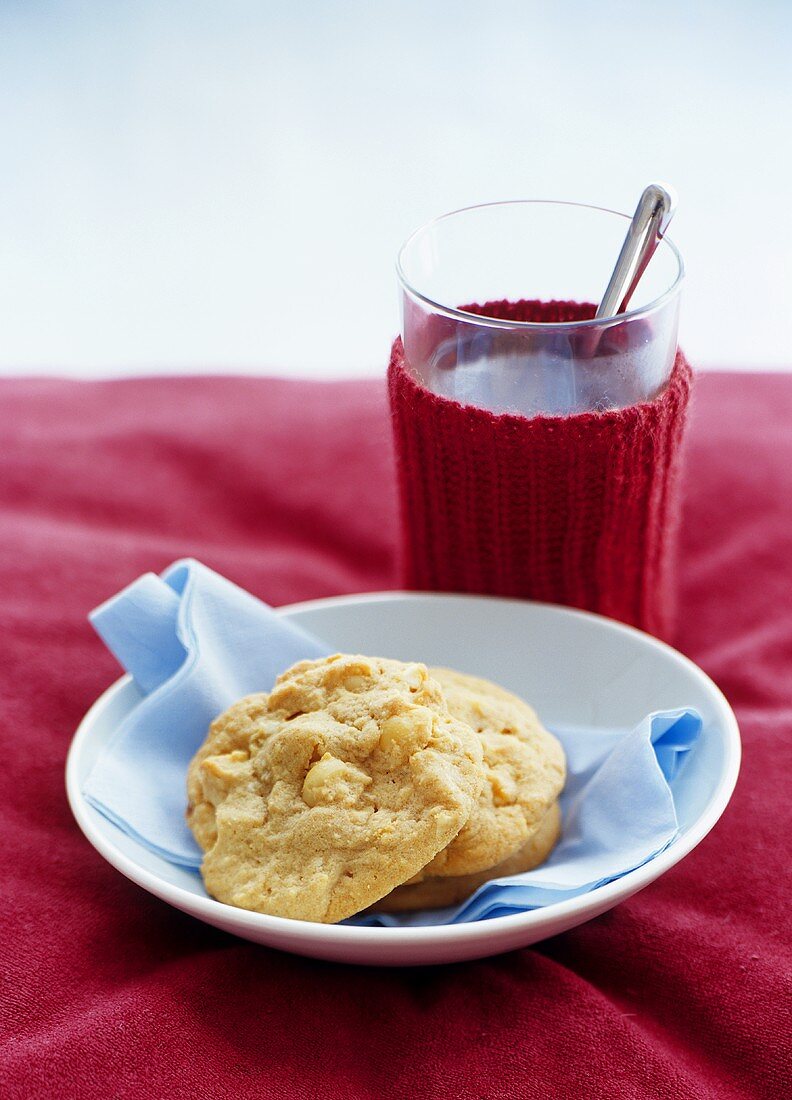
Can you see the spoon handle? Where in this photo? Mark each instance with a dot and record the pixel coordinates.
(654, 211)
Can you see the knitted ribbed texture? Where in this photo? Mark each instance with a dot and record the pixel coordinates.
(580, 510)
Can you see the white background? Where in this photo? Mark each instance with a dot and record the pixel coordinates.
(223, 186)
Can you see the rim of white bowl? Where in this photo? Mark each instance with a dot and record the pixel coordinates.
(309, 931)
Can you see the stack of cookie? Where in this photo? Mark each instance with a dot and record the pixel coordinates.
(361, 782)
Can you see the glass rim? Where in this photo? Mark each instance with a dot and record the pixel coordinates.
(498, 322)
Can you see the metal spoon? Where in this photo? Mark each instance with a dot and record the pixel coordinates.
(654, 211)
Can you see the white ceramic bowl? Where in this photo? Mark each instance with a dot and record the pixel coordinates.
(575, 668)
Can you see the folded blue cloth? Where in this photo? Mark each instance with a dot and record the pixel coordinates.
(194, 643)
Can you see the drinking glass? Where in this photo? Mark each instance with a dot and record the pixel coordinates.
(462, 273)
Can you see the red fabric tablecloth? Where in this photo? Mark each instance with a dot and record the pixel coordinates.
(288, 489)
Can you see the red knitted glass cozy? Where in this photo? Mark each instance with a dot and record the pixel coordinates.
(580, 510)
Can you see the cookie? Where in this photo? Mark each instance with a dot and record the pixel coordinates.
(524, 769)
(355, 775)
(435, 893)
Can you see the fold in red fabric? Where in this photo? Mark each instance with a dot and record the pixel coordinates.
(581, 510)
(289, 489)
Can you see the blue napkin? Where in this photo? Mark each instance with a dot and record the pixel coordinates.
(194, 643)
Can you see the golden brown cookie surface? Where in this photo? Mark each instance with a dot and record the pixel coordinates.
(354, 776)
(524, 768)
(435, 893)
(228, 737)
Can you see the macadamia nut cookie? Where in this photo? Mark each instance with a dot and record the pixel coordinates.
(325, 795)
